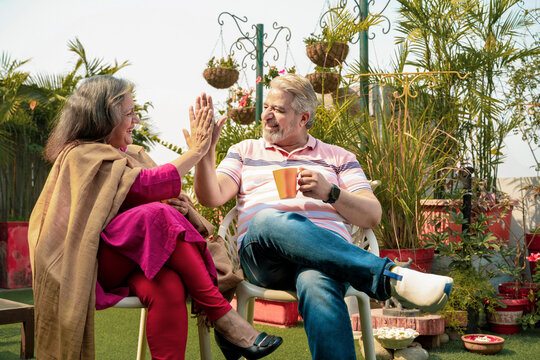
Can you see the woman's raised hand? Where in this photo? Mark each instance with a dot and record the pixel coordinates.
(201, 120)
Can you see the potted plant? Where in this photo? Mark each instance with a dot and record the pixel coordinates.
(532, 318)
(324, 80)
(272, 73)
(221, 73)
(330, 48)
(407, 155)
(241, 107)
(468, 265)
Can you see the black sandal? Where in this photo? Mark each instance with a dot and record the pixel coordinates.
(264, 344)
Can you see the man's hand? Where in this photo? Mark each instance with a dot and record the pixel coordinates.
(314, 185)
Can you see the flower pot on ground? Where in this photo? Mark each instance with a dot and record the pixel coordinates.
(222, 73)
(325, 55)
(504, 319)
(324, 82)
(243, 116)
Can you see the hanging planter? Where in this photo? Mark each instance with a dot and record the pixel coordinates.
(320, 55)
(327, 81)
(243, 116)
(221, 73)
(220, 78)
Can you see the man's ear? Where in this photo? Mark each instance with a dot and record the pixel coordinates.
(304, 118)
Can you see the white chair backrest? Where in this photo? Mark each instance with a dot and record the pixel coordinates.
(365, 238)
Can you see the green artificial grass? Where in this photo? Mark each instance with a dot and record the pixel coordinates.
(116, 332)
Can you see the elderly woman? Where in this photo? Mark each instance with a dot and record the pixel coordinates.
(101, 230)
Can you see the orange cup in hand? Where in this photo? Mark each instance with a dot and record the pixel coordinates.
(286, 182)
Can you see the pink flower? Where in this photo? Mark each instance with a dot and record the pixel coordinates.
(534, 257)
(282, 71)
(242, 103)
(258, 80)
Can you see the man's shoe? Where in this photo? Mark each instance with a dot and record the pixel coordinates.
(415, 289)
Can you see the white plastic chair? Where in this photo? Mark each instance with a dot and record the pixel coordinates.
(247, 292)
(133, 302)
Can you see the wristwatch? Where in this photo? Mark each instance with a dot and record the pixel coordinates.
(334, 194)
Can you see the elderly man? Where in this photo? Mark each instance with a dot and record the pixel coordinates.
(303, 244)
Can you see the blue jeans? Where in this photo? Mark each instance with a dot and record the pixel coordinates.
(283, 250)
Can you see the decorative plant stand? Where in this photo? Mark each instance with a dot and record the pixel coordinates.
(430, 327)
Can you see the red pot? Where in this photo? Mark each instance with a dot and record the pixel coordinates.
(504, 320)
(421, 258)
(523, 291)
(436, 209)
(15, 270)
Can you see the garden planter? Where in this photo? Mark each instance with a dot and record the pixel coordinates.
(533, 246)
(327, 81)
(15, 269)
(421, 258)
(438, 208)
(243, 116)
(320, 56)
(526, 290)
(504, 320)
(220, 78)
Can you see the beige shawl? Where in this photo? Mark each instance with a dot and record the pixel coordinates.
(84, 190)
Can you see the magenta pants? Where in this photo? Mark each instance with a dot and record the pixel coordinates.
(165, 295)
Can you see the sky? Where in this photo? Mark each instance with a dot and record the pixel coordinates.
(168, 43)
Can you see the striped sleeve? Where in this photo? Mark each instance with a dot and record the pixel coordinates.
(232, 164)
(351, 175)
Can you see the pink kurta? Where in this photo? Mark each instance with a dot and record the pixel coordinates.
(146, 230)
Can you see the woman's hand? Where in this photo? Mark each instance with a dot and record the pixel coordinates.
(182, 203)
(201, 120)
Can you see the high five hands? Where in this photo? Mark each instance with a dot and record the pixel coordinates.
(204, 130)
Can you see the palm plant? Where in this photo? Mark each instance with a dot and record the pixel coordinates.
(480, 37)
(28, 108)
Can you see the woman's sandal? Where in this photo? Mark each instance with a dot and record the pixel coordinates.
(263, 345)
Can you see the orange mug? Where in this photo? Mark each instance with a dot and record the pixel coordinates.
(286, 182)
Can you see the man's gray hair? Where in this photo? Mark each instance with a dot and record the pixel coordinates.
(305, 99)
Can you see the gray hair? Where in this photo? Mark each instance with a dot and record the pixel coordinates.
(89, 114)
(305, 99)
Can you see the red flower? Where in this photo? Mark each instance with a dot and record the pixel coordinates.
(534, 257)
(258, 80)
(282, 71)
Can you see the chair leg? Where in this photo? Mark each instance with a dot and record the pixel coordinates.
(367, 329)
(204, 342)
(141, 346)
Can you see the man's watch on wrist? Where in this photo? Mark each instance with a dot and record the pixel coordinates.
(334, 194)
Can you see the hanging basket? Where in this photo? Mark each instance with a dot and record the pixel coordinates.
(220, 78)
(324, 80)
(318, 53)
(243, 116)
